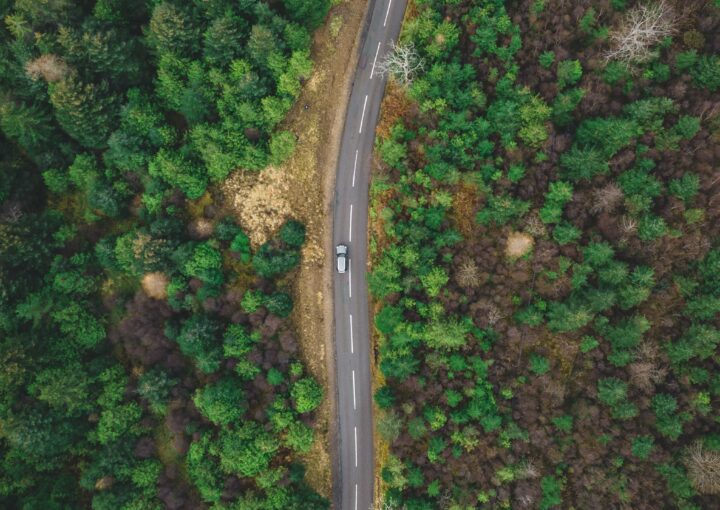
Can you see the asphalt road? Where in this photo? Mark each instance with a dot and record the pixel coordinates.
(354, 476)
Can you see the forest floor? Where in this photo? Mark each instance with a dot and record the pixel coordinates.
(303, 188)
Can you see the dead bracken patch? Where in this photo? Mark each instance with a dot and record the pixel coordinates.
(518, 244)
(395, 105)
(465, 202)
(260, 202)
(49, 67)
(155, 285)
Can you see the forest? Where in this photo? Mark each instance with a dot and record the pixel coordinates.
(545, 221)
(147, 356)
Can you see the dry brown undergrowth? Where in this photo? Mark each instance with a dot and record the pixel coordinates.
(260, 201)
(155, 285)
(518, 244)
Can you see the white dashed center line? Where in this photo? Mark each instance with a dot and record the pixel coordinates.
(388, 12)
(352, 348)
(355, 167)
(354, 402)
(362, 117)
(372, 71)
(350, 225)
(355, 446)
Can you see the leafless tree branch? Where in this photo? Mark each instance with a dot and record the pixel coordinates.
(402, 63)
(643, 26)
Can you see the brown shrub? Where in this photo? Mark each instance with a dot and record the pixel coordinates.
(200, 228)
(465, 202)
(693, 39)
(155, 285)
(395, 105)
(49, 67)
(518, 244)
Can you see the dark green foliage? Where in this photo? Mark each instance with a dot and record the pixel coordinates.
(642, 446)
(686, 187)
(154, 386)
(551, 493)
(292, 233)
(279, 303)
(241, 244)
(546, 59)
(564, 423)
(608, 135)
(565, 233)
(565, 104)
(299, 437)
(309, 13)
(585, 163)
(706, 72)
(198, 338)
(221, 402)
(678, 483)
(501, 209)
(569, 72)
(307, 394)
(86, 111)
(539, 365)
(112, 114)
(278, 256)
(608, 248)
(178, 169)
(651, 227)
(668, 422)
(246, 450)
(612, 391)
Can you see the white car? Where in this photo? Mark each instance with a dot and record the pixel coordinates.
(341, 252)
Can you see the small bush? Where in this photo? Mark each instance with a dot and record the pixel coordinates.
(539, 365)
(642, 446)
(569, 72)
(546, 59)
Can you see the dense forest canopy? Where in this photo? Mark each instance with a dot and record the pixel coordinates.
(546, 260)
(146, 356)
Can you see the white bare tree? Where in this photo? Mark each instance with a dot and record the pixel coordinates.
(703, 468)
(643, 26)
(401, 63)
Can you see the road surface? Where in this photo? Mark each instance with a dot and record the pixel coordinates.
(354, 476)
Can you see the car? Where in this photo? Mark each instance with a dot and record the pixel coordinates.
(341, 252)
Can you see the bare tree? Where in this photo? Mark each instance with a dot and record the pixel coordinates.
(468, 275)
(386, 505)
(527, 470)
(606, 199)
(642, 27)
(646, 372)
(12, 212)
(703, 468)
(401, 63)
(534, 226)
